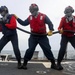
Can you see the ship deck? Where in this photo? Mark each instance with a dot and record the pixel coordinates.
(36, 68)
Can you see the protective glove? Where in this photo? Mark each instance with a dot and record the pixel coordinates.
(61, 31)
(15, 16)
(50, 33)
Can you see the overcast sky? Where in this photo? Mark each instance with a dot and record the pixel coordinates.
(54, 9)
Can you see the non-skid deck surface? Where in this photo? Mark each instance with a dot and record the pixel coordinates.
(10, 68)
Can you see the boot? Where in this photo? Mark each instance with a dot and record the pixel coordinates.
(19, 65)
(59, 67)
(24, 66)
(53, 66)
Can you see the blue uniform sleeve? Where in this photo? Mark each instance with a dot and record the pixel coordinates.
(50, 25)
(24, 23)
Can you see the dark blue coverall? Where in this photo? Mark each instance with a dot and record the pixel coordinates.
(10, 35)
(41, 40)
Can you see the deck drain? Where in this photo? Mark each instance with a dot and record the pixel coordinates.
(41, 72)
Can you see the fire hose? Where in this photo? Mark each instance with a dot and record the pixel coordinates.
(43, 34)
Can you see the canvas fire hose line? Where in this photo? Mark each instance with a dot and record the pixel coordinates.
(42, 34)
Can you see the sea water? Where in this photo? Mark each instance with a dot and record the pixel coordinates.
(70, 53)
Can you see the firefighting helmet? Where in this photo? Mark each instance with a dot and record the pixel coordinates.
(33, 7)
(3, 8)
(68, 9)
